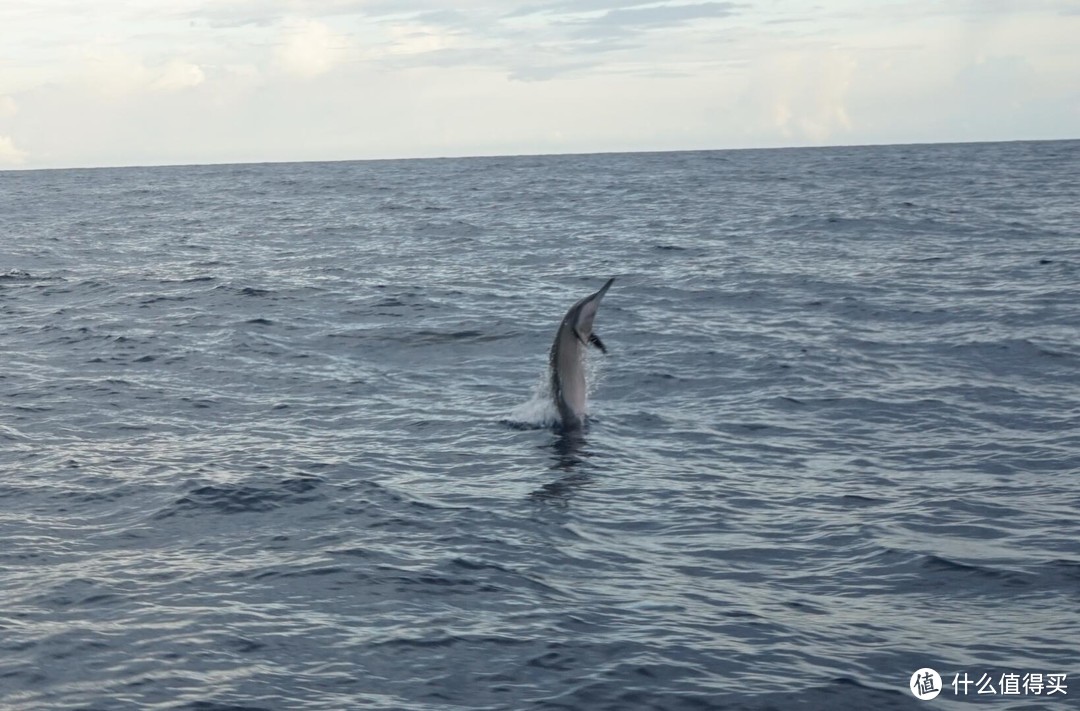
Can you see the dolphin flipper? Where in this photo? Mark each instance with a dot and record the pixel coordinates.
(595, 340)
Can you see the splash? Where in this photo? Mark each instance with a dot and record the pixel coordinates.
(539, 411)
(594, 372)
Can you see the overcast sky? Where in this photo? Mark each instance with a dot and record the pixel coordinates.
(137, 82)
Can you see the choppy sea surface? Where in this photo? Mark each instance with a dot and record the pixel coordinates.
(273, 436)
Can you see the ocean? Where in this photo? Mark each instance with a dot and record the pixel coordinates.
(275, 436)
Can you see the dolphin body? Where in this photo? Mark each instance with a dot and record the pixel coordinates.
(567, 359)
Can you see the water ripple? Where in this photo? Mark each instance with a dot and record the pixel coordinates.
(277, 436)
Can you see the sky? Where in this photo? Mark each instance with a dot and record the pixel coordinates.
(149, 82)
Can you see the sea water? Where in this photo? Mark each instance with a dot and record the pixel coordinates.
(275, 436)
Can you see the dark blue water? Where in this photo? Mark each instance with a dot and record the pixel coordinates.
(269, 439)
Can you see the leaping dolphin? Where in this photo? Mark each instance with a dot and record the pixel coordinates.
(567, 359)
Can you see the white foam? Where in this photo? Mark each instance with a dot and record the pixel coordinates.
(594, 372)
(539, 410)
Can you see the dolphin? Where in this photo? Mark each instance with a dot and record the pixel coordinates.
(567, 361)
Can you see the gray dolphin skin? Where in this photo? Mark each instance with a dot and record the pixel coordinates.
(567, 359)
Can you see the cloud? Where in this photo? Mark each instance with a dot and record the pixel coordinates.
(619, 17)
(546, 72)
(409, 39)
(229, 14)
(805, 93)
(663, 15)
(554, 40)
(572, 7)
(310, 48)
(8, 107)
(177, 75)
(114, 73)
(10, 154)
(197, 80)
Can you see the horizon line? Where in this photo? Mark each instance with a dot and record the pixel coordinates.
(487, 156)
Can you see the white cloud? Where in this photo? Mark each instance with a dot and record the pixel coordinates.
(310, 48)
(803, 95)
(114, 73)
(211, 80)
(10, 154)
(417, 38)
(8, 107)
(177, 75)
(810, 92)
